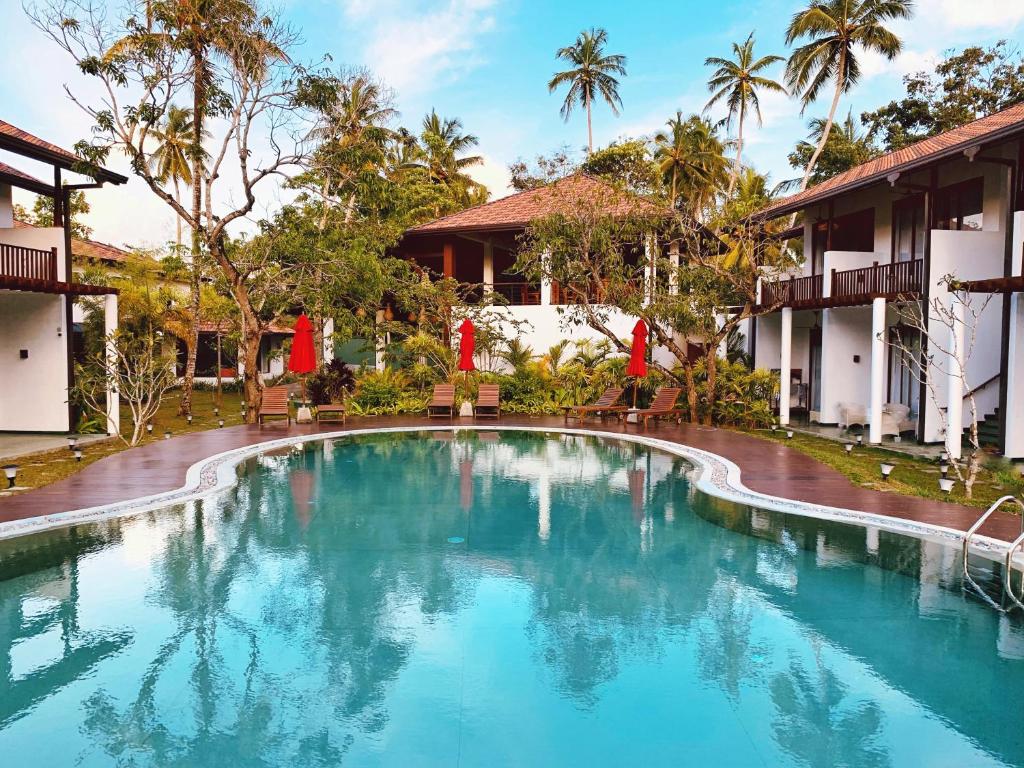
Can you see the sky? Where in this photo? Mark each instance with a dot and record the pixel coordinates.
(488, 62)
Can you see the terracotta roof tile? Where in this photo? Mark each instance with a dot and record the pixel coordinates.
(17, 133)
(876, 170)
(11, 171)
(519, 209)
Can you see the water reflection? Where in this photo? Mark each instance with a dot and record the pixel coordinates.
(387, 599)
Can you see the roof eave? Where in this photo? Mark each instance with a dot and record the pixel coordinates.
(28, 149)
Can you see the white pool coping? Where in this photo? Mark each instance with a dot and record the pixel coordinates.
(717, 476)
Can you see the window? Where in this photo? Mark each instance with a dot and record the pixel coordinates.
(908, 229)
(958, 206)
(851, 232)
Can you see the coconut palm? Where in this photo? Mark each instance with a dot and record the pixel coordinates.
(834, 30)
(592, 73)
(171, 161)
(738, 81)
(441, 155)
(691, 159)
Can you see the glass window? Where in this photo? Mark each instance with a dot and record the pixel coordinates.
(908, 228)
(959, 206)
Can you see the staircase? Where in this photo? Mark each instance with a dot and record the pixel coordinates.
(988, 431)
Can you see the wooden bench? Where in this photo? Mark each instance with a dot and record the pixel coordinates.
(275, 403)
(488, 401)
(331, 412)
(443, 402)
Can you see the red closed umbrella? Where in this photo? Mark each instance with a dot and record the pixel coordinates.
(467, 345)
(637, 367)
(303, 356)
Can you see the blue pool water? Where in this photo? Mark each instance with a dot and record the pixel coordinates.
(484, 600)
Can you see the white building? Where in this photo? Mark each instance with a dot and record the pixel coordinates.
(478, 247)
(880, 237)
(38, 290)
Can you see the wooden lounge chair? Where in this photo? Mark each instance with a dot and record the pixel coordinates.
(331, 412)
(664, 404)
(604, 405)
(275, 403)
(443, 402)
(488, 401)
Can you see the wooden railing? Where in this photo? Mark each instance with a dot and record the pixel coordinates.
(793, 291)
(897, 278)
(30, 263)
(519, 294)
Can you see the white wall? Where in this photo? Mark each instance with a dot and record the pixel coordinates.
(43, 238)
(768, 354)
(33, 392)
(1014, 447)
(841, 261)
(970, 256)
(6, 207)
(845, 332)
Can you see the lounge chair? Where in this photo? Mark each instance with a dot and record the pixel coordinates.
(275, 403)
(331, 412)
(443, 402)
(604, 405)
(664, 404)
(488, 401)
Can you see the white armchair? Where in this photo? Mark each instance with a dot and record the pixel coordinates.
(852, 413)
(896, 419)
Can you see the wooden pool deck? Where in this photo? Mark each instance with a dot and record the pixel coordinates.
(767, 467)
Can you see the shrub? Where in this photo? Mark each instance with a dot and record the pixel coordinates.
(331, 383)
(380, 391)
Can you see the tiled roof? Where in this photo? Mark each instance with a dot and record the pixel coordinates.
(11, 171)
(14, 132)
(93, 249)
(951, 142)
(518, 210)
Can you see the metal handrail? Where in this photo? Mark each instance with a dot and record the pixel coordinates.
(967, 541)
(1008, 570)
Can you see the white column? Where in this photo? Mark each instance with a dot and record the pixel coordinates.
(113, 397)
(877, 370)
(785, 364)
(488, 267)
(673, 257)
(1014, 447)
(955, 382)
(545, 285)
(328, 340)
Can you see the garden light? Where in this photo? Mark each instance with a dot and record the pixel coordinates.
(78, 454)
(946, 484)
(10, 472)
(886, 470)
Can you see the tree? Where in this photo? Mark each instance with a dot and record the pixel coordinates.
(835, 30)
(244, 76)
(543, 171)
(628, 164)
(692, 162)
(442, 157)
(964, 86)
(845, 148)
(737, 82)
(172, 159)
(593, 72)
(41, 214)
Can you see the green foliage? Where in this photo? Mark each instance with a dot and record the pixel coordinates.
(743, 397)
(629, 164)
(380, 391)
(845, 148)
(330, 384)
(41, 214)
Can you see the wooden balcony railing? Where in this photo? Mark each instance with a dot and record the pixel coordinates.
(519, 294)
(28, 263)
(895, 279)
(799, 290)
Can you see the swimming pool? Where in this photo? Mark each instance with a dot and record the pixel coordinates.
(484, 599)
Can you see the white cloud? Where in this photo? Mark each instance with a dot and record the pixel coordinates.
(1001, 15)
(413, 45)
(494, 175)
(909, 61)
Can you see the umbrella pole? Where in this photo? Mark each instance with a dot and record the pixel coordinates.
(634, 392)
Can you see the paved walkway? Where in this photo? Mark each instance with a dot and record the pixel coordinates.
(767, 467)
(15, 444)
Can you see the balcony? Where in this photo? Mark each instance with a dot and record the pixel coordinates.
(519, 294)
(898, 281)
(22, 263)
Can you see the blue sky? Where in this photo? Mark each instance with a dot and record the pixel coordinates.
(488, 62)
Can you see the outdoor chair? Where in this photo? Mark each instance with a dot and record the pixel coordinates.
(488, 401)
(443, 402)
(331, 412)
(275, 403)
(606, 404)
(664, 404)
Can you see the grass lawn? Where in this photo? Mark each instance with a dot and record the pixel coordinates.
(39, 469)
(912, 476)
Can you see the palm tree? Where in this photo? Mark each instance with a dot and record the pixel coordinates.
(441, 155)
(171, 160)
(737, 82)
(834, 29)
(691, 159)
(592, 73)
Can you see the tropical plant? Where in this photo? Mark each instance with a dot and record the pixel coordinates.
(691, 159)
(175, 154)
(845, 148)
(835, 29)
(517, 354)
(381, 390)
(331, 383)
(737, 82)
(592, 74)
(441, 155)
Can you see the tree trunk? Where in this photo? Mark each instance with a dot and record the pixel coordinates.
(691, 391)
(737, 165)
(177, 218)
(250, 351)
(711, 359)
(828, 122)
(590, 129)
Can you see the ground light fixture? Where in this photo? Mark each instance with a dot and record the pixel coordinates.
(10, 472)
(943, 457)
(789, 434)
(188, 418)
(220, 422)
(78, 454)
(216, 411)
(167, 434)
(149, 429)
(860, 439)
(72, 442)
(848, 447)
(887, 469)
(946, 484)
(943, 468)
